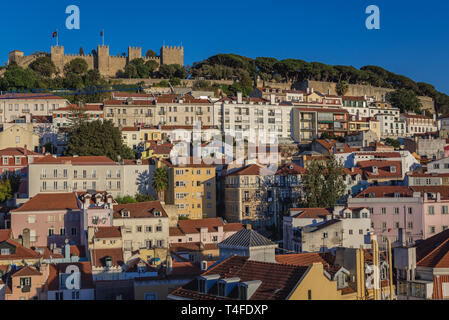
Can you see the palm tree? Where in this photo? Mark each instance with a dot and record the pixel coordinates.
(160, 182)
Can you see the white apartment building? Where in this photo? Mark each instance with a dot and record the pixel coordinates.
(246, 118)
(391, 125)
(53, 174)
(416, 123)
(320, 230)
(15, 106)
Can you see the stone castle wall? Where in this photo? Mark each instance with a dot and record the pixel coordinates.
(358, 90)
(107, 65)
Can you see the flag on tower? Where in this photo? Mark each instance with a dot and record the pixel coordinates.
(55, 34)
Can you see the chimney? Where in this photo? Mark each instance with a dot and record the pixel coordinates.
(401, 237)
(25, 151)
(311, 90)
(203, 265)
(272, 98)
(239, 97)
(67, 249)
(248, 227)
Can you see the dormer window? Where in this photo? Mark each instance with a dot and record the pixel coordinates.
(393, 169)
(375, 170)
(5, 252)
(125, 213)
(108, 262)
(157, 213)
(202, 286)
(243, 293)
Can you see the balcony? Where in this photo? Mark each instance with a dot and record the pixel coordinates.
(53, 177)
(199, 113)
(161, 113)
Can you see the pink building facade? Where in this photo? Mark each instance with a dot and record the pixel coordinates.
(206, 231)
(421, 211)
(48, 219)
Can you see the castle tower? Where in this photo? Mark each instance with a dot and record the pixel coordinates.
(172, 55)
(103, 60)
(15, 56)
(134, 53)
(57, 56)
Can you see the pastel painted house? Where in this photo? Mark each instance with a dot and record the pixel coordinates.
(47, 220)
(206, 231)
(27, 283)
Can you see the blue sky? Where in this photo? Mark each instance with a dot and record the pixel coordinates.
(413, 40)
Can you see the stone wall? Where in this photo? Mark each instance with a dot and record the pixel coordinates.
(357, 90)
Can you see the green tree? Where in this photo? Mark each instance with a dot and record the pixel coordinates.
(342, 88)
(125, 200)
(97, 138)
(43, 66)
(392, 142)
(152, 66)
(160, 182)
(405, 99)
(323, 184)
(17, 78)
(77, 66)
(144, 197)
(5, 190)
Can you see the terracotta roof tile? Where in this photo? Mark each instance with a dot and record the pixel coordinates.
(108, 232)
(310, 213)
(82, 160)
(277, 280)
(26, 271)
(140, 210)
(60, 268)
(50, 202)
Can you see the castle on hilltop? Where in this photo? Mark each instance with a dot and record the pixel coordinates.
(107, 65)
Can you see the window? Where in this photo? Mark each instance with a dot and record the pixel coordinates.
(384, 210)
(242, 293)
(159, 229)
(62, 231)
(74, 231)
(139, 228)
(350, 232)
(51, 232)
(309, 294)
(221, 289)
(432, 229)
(431, 210)
(410, 210)
(75, 295)
(5, 252)
(410, 225)
(202, 286)
(444, 210)
(396, 210)
(32, 219)
(148, 229)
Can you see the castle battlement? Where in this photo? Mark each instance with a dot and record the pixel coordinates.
(107, 65)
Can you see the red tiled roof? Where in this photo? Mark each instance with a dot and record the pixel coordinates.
(26, 271)
(192, 246)
(327, 144)
(434, 252)
(384, 168)
(415, 116)
(277, 280)
(81, 160)
(21, 252)
(442, 190)
(140, 210)
(251, 170)
(17, 152)
(27, 96)
(311, 213)
(306, 259)
(130, 129)
(125, 103)
(290, 169)
(386, 192)
(98, 257)
(5, 234)
(212, 224)
(108, 232)
(50, 202)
